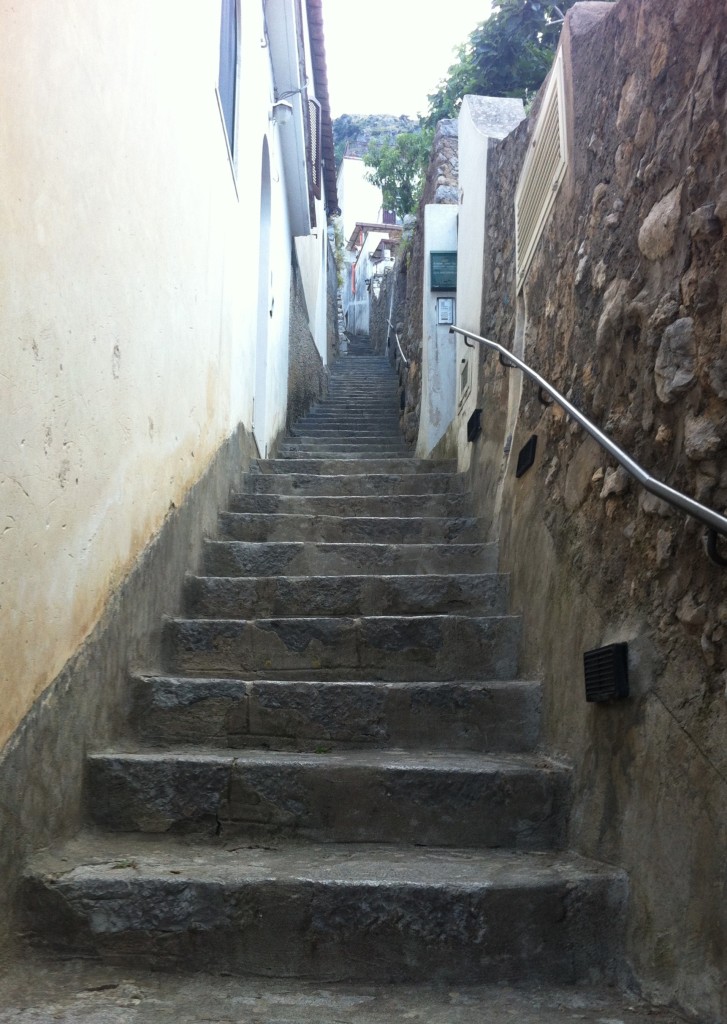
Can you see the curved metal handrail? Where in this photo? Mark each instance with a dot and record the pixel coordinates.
(715, 523)
(401, 353)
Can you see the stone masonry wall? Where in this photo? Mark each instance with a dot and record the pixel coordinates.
(625, 311)
(333, 340)
(440, 186)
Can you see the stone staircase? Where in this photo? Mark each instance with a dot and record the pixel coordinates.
(337, 777)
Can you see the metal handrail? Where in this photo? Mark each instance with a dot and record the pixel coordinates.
(401, 353)
(715, 523)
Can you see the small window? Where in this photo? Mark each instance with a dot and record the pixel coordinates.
(227, 80)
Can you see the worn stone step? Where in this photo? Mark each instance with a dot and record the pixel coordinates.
(351, 505)
(37, 990)
(464, 799)
(290, 714)
(321, 558)
(359, 420)
(354, 484)
(348, 405)
(329, 912)
(350, 432)
(373, 647)
(245, 597)
(259, 527)
(393, 447)
(346, 466)
(326, 451)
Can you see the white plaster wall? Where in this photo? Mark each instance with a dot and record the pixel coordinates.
(359, 304)
(439, 351)
(128, 293)
(481, 118)
(311, 252)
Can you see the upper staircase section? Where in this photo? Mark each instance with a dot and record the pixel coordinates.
(336, 774)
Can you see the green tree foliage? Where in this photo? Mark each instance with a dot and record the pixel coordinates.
(399, 167)
(508, 55)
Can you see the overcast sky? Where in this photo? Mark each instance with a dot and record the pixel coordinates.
(386, 57)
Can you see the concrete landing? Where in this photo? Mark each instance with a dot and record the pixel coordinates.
(40, 992)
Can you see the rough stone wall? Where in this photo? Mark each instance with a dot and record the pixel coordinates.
(332, 313)
(307, 376)
(440, 186)
(625, 310)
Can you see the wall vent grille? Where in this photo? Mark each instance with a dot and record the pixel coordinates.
(543, 171)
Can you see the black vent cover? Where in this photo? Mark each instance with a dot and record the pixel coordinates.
(474, 425)
(607, 673)
(527, 456)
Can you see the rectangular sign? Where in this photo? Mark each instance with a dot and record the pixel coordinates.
(443, 271)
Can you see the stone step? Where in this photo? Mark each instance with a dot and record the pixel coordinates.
(244, 597)
(351, 466)
(361, 505)
(348, 431)
(348, 404)
(253, 526)
(328, 451)
(344, 419)
(434, 647)
(89, 992)
(354, 484)
(311, 558)
(328, 912)
(514, 801)
(290, 714)
(390, 447)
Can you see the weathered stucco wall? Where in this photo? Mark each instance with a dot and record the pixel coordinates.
(440, 186)
(307, 376)
(42, 766)
(128, 300)
(625, 310)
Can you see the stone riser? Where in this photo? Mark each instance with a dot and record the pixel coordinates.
(335, 433)
(361, 484)
(321, 449)
(363, 505)
(325, 451)
(342, 420)
(488, 716)
(353, 408)
(391, 648)
(394, 444)
(338, 467)
(210, 597)
(369, 914)
(307, 558)
(249, 526)
(465, 800)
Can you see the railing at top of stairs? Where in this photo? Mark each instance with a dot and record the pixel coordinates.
(404, 360)
(716, 524)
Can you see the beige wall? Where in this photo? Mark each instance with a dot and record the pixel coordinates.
(128, 290)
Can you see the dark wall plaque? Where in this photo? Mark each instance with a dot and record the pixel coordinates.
(444, 271)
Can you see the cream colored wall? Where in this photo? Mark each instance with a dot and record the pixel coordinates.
(127, 299)
(481, 118)
(439, 356)
(311, 252)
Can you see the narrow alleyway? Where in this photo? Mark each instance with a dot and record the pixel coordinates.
(336, 780)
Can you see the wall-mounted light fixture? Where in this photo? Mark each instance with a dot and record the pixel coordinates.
(282, 112)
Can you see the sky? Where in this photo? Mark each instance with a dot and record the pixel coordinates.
(385, 58)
